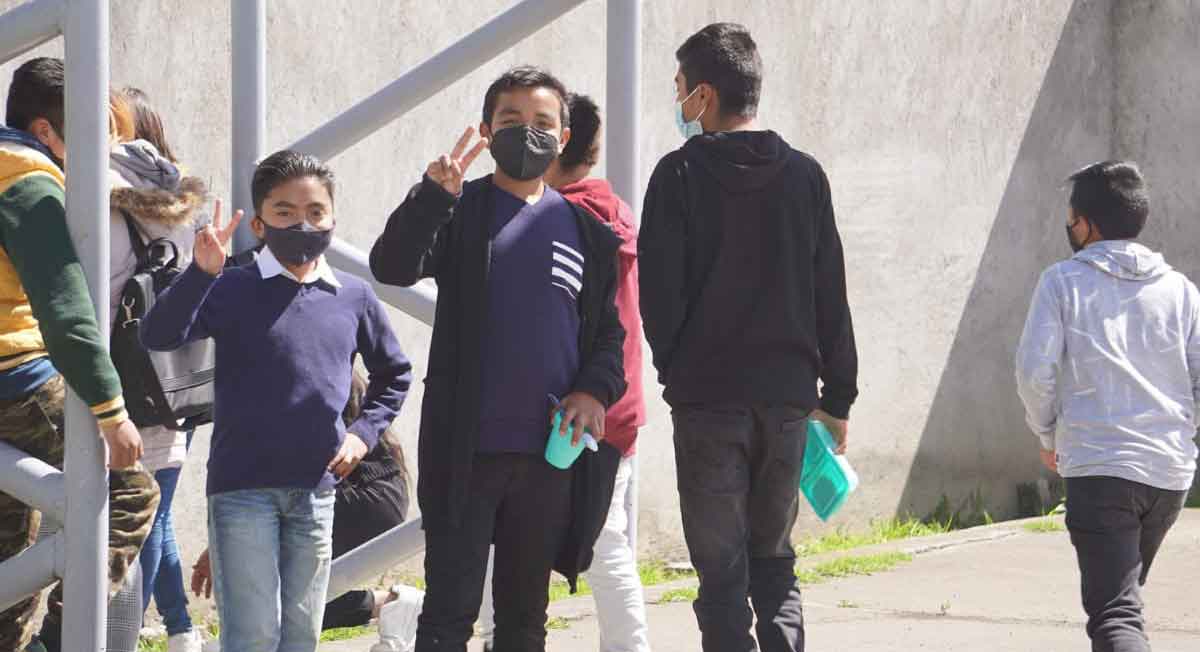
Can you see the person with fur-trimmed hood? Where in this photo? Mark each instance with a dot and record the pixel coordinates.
(151, 193)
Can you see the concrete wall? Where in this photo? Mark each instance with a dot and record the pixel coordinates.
(946, 127)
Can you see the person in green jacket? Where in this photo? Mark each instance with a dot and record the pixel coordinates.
(49, 339)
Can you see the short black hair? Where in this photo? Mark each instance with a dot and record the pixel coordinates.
(1112, 195)
(525, 77)
(37, 92)
(283, 166)
(725, 56)
(582, 149)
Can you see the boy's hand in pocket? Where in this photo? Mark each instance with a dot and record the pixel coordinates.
(351, 453)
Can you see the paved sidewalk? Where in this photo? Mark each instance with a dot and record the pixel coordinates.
(1000, 588)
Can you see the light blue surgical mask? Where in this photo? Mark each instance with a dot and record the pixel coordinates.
(688, 129)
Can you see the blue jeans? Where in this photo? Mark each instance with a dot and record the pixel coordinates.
(162, 575)
(271, 551)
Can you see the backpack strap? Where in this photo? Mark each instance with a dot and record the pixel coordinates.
(135, 238)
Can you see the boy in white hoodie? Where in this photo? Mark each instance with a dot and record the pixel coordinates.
(1109, 371)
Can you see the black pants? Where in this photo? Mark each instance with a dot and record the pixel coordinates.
(1117, 527)
(361, 513)
(739, 476)
(522, 504)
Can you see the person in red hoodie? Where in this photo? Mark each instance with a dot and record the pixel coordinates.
(613, 576)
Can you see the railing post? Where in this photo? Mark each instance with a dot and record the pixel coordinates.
(623, 88)
(249, 105)
(623, 136)
(86, 528)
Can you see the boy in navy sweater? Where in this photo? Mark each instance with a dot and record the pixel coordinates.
(286, 328)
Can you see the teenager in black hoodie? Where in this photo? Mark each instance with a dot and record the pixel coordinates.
(743, 296)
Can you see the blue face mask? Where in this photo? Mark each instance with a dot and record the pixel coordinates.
(688, 129)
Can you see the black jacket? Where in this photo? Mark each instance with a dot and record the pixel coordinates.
(435, 235)
(743, 285)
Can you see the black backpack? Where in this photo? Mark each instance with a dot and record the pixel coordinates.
(173, 389)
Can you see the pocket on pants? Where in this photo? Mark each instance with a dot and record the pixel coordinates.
(34, 424)
(710, 449)
(1099, 504)
(791, 439)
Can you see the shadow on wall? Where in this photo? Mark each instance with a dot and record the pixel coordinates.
(975, 435)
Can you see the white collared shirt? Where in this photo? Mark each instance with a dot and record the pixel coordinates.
(269, 266)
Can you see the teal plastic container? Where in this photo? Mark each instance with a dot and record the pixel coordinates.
(826, 479)
(559, 451)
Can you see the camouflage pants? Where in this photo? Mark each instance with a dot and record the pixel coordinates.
(34, 424)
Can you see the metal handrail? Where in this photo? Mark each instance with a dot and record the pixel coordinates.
(78, 496)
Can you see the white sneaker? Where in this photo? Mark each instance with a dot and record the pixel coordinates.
(186, 642)
(398, 621)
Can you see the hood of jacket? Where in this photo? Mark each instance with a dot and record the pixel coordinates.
(1124, 259)
(152, 188)
(21, 155)
(741, 161)
(598, 197)
(141, 166)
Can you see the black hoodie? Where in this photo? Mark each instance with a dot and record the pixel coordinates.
(743, 284)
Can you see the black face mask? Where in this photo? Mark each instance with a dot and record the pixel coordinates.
(297, 245)
(524, 152)
(1076, 246)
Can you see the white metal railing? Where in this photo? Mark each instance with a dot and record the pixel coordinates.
(77, 497)
(389, 103)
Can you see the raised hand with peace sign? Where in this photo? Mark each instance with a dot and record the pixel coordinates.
(448, 169)
(212, 242)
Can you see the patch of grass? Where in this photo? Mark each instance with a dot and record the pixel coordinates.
(651, 574)
(847, 604)
(657, 572)
(970, 512)
(1045, 525)
(879, 532)
(345, 633)
(688, 594)
(855, 565)
(558, 623)
(156, 644)
(1193, 499)
(560, 590)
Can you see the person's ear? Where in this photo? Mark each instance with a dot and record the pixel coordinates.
(485, 130)
(41, 130)
(47, 135)
(256, 225)
(708, 98)
(566, 138)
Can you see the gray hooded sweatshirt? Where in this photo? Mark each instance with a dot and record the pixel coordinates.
(1109, 366)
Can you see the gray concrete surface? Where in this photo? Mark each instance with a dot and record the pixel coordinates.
(946, 128)
(998, 588)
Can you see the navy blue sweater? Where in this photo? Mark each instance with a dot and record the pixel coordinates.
(284, 359)
(531, 342)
